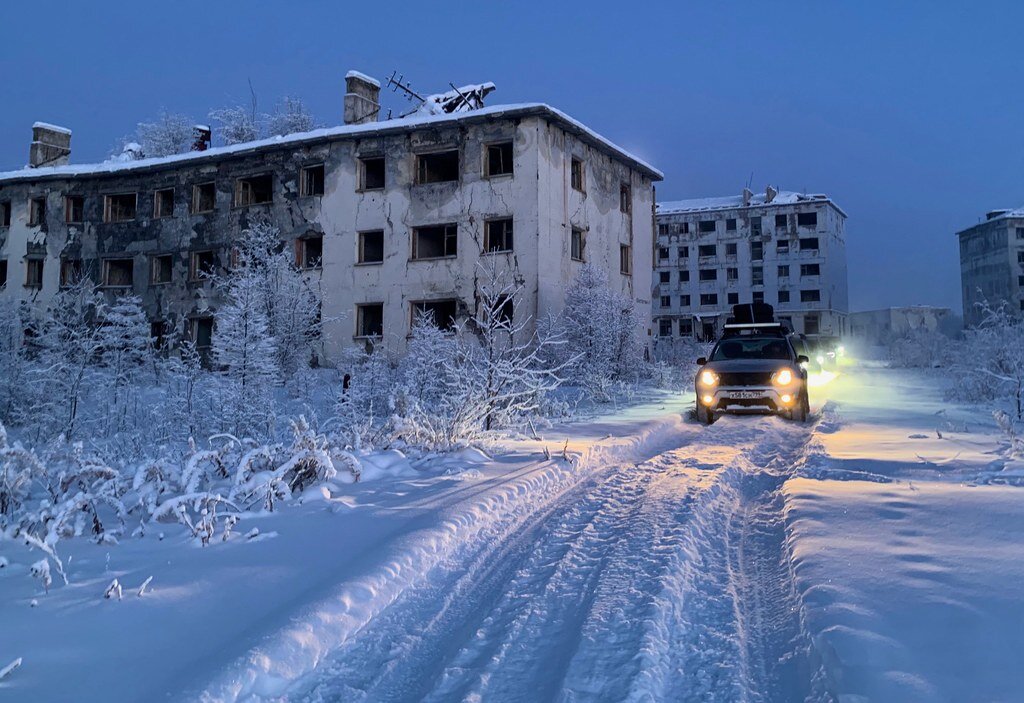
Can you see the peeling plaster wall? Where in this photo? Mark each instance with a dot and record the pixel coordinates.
(989, 266)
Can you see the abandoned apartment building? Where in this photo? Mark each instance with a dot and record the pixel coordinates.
(992, 264)
(782, 248)
(393, 217)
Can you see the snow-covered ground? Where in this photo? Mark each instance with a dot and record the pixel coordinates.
(874, 554)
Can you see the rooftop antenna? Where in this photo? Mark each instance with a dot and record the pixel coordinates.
(750, 180)
(397, 83)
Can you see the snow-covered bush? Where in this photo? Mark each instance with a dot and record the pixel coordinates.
(169, 134)
(289, 116)
(921, 348)
(15, 318)
(365, 406)
(236, 124)
(989, 365)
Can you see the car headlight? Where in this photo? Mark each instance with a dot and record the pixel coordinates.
(821, 359)
(784, 377)
(708, 378)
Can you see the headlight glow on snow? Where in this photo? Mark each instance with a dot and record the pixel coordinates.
(784, 377)
(708, 378)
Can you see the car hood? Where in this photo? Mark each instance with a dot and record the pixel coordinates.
(751, 365)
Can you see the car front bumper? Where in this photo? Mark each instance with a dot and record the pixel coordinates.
(749, 399)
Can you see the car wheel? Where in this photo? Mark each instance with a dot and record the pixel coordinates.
(705, 415)
(802, 409)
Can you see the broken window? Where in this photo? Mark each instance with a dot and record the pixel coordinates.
(160, 269)
(371, 247)
(706, 226)
(783, 296)
(664, 328)
(808, 244)
(625, 198)
(442, 312)
(74, 209)
(370, 320)
(309, 252)
(120, 207)
(707, 299)
(662, 253)
(36, 211)
(686, 328)
(807, 219)
(684, 252)
(5, 213)
(498, 235)
(1020, 230)
(576, 174)
(730, 249)
(499, 159)
(665, 277)
(578, 244)
(1020, 257)
(311, 180)
(666, 301)
(204, 197)
(707, 250)
(684, 276)
(254, 190)
(70, 272)
(684, 301)
(201, 332)
(732, 274)
(3, 273)
(118, 273)
(810, 269)
(756, 251)
(810, 296)
(709, 274)
(663, 229)
(811, 324)
(780, 221)
(163, 203)
(782, 246)
(755, 226)
(625, 259)
(435, 242)
(438, 167)
(371, 173)
(730, 225)
(758, 296)
(733, 299)
(757, 276)
(34, 273)
(201, 265)
(684, 227)
(783, 271)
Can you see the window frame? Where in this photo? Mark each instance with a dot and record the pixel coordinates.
(577, 175)
(158, 213)
(69, 209)
(626, 259)
(580, 234)
(197, 198)
(507, 235)
(73, 266)
(30, 264)
(155, 267)
(5, 213)
(302, 254)
(105, 268)
(304, 180)
(361, 186)
(421, 169)
(108, 208)
(361, 259)
(240, 186)
(446, 237)
(195, 274)
(625, 198)
(360, 319)
(37, 211)
(488, 173)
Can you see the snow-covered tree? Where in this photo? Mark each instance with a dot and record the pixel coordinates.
(169, 134)
(290, 116)
(15, 318)
(365, 406)
(989, 366)
(126, 353)
(237, 124)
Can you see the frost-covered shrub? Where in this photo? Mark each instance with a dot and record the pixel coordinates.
(989, 364)
(236, 124)
(365, 406)
(170, 134)
(921, 348)
(290, 116)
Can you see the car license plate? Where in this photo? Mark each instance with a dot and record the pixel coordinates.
(746, 395)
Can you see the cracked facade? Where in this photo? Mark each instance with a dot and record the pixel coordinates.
(992, 264)
(388, 216)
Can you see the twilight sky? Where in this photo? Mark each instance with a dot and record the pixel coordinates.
(909, 114)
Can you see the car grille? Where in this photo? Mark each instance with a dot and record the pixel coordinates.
(745, 378)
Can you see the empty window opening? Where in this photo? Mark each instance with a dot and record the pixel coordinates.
(684, 252)
(707, 299)
(120, 207)
(783, 296)
(371, 173)
(36, 211)
(733, 299)
(706, 226)
(201, 265)
(438, 167)
(626, 259)
(810, 269)
(5, 213)
(204, 197)
(3, 273)
(686, 328)
(163, 203)
(730, 249)
(665, 277)
(707, 250)
(807, 219)
(663, 253)
(758, 296)
(810, 296)
(782, 246)
(70, 272)
(441, 312)
(34, 273)
(161, 269)
(684, 276)
(783, 271)
(780, 221)
(370, 320)
(74, 209)
(732, 274)
(730, 225)
(435, 242)
(201, 332)
(578, 244)
(756, 251)
(755, 226)
(311, 180)
(309, 252)
(625, 198)
(684, 301)
(808, 244)
(757, 276)
(811, 324)
(666, 301)
(664, 328)
(118, 273)
(498, 235)
(499, 159)
(254, 190)
(709, 274)
(371, 247)
(576, 175)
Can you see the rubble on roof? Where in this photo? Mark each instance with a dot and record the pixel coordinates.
(464, 99)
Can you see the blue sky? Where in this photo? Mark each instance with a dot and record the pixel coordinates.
(910, 114)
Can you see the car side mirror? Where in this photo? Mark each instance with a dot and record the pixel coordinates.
(801, 359)
(701, 360)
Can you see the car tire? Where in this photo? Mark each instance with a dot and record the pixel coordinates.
(705, 415)
(802, 409)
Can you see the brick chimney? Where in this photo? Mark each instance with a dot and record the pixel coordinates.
(362, 98)
(769, 194)
(51, 145)
(747, 195)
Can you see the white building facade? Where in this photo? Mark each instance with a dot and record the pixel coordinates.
(781, 248)
(388, 217)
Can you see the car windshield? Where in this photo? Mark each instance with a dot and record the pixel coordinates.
(751, 348)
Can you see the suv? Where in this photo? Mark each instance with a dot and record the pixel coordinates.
(753, 368)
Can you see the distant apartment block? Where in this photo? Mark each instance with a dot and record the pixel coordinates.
(992, 263)
(782, 248)
(391, 217)
(885, 325)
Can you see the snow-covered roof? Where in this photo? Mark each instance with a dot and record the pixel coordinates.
(339, 132)
(51, 127)
(735, 202)
(995, 216)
